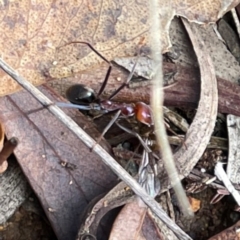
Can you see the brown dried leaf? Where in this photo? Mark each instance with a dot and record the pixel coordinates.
(100, 206)
(152, 230)
(131, 218)
(31, 33)
(48, 154)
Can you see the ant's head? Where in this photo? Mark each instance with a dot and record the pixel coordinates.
(80, 94)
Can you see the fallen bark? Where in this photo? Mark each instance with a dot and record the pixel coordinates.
(185, 92)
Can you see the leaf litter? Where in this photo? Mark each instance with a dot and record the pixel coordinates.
(90, 7)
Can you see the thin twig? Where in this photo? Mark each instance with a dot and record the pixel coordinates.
(221, 174)
(106, 158)
(236, 20)
(157, 107)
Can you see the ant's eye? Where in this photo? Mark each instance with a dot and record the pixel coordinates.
(79, 94)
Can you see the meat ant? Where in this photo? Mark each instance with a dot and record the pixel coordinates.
(83, 98)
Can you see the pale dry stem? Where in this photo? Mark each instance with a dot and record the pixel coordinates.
(157, 107)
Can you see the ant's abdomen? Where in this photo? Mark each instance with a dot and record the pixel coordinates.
(143, 113)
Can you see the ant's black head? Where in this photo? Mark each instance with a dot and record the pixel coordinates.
(80, 94)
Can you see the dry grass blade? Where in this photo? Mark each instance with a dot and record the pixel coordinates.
(106, 158)
(236, 20)
(222, 176)
(157, 107)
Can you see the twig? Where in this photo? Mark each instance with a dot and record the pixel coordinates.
(236, 20)
(157, 107)
(106, 158)
(221, 174)
(215, 142)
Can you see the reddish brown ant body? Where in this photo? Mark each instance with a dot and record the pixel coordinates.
(80, 96)
(84, 98)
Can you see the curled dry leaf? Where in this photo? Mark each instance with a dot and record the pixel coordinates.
(139, 225)
(131, 218)
(201, 12)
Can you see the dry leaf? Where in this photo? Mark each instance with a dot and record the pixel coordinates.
(131, 217)
(139, 225)
(201, 12)
(195, 203)
(32, 32)
(63, 172)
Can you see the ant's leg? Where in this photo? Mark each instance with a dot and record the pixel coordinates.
(130, 160)
(105, 81)
(125, 83)
(136, 135)
(101, 56)
(114, 119)
(139, 138)
(131, 73)
(71, 105)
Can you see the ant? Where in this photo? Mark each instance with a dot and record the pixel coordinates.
(84, 98)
